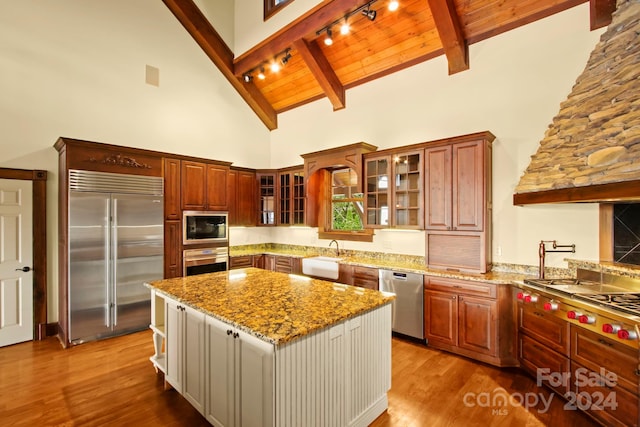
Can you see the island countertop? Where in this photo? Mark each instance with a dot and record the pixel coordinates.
(275, 307)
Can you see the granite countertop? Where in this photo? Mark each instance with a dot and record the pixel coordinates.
(275, 307)
(394, 263)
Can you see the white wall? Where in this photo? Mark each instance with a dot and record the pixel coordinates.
(76, 68)
(514, 87)
(251, 28)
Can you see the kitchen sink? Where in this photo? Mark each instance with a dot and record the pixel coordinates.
(325, 267)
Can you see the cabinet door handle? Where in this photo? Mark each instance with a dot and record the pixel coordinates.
(236, 335)
(453, 297)
(637, 372)
(229, 331)
(608, 344)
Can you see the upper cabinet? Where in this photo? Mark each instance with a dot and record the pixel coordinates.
(458, 203)
(266, 197)
(291, 196)
(204, 186)
(172, 201)
(456, 184)
(394, 190)
(241, 197)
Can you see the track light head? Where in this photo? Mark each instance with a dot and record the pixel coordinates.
(247, 78)
(393, 5)
(261, 74)
(286, 57)
(370, 14)
(328, 40)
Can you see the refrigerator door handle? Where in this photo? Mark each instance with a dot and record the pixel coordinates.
(114, 263)
(107, 256)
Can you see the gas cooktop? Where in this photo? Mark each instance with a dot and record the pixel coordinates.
(576, 286)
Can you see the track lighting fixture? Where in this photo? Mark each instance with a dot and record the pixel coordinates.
(393, 5)
(247, 78)
(286, 57)
(344, 28)
(275, 66)
(261, 73)
(328, 40)
(370, 14)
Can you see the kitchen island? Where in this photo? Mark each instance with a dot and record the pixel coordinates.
(254, 347)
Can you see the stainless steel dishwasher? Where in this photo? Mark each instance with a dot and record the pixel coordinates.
(408, 305)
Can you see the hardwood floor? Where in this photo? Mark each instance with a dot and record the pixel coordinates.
(112, 383)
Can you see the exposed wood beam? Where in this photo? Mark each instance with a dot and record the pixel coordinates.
(601, 11)
(450, 32)
(322, 71)
(303, 27)
(216, 49)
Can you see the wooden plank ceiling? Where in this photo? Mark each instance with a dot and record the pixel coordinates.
(417, 31)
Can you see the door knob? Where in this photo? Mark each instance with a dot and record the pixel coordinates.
(25, 269)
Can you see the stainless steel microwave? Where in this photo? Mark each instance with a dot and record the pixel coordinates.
(204, 227)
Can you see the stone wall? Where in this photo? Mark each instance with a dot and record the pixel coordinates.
(595, 138)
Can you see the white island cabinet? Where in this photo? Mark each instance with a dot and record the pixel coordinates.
(325, 361)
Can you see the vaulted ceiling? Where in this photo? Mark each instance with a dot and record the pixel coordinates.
(417, 31)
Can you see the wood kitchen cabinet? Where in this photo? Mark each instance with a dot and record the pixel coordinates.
(241, 197)
(470, 318)
(393, 190)
(291, 196)
(173, 249)
(266, 197)
(543, 343)
(365, 277)
(242, 261)
(282, 264)
(593, 355)
(458, 203)
(204, 186)
(172, 201)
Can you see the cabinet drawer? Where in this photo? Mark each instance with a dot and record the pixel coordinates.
(597, 352)
(461, 287)
(283, 264)
(365, 277)
(533, 356)
(612, 405)
(243, 261)
(545, 328)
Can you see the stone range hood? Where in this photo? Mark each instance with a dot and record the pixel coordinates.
(591, 151)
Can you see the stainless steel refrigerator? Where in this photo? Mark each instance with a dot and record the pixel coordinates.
(115, 245)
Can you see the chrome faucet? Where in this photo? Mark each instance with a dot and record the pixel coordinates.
(542, 250)
(337, 248)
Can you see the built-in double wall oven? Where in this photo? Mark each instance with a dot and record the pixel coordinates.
(206, 242)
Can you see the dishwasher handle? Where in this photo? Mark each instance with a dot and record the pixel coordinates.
(399, 276)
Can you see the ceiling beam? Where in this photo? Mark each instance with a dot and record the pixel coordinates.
(450, 32)
(303, 27)
(601, 11)
(216, 49)
(322, 71)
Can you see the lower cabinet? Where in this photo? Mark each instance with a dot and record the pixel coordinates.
(339, 375)
(467, 317)
(239, 376)
(185, 346)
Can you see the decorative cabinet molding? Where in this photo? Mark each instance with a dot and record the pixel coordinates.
(95, 156)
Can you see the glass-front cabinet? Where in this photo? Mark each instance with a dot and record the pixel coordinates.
(394, 190)
(266, 198)
(291, 197)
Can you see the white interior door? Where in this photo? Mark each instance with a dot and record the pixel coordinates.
(16, 285)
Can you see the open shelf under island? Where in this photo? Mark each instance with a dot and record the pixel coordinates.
(253, 347)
